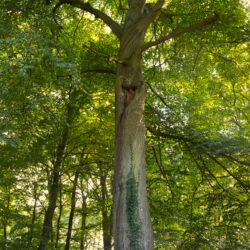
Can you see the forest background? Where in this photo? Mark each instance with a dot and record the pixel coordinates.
(58, 63)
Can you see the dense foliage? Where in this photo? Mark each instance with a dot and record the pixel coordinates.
(57, 121)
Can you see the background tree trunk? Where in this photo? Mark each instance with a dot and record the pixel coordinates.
(54, 188)
(72, 211)
(59, 216)
(106, 215)
(84, 216)
(33, 216)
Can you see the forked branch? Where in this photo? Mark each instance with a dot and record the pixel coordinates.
(114, 26)
(181, 31)
(150, 12)
(155, 10)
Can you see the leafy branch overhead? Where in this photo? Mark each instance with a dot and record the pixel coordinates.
(152, 11)
(117, 30)
(180, 31)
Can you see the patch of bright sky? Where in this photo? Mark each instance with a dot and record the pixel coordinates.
(246, 3)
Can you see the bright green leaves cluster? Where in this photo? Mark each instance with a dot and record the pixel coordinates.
(203, 78)
(41, 73)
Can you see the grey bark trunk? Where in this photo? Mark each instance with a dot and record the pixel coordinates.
(131, 223)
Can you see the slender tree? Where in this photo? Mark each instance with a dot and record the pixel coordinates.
(72, 211)
(33, 214)
(60, 207)
(54, 187)
(106, 214)
(83, 216)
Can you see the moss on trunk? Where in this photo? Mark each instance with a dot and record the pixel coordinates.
(132, 212)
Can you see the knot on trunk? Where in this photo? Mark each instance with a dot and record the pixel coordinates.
(130, 91)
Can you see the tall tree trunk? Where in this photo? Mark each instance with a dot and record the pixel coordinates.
(106, 215)
(54, 188)
(59, 216)
(72, 211)
(132, 224)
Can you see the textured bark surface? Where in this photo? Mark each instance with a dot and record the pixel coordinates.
(132, 224)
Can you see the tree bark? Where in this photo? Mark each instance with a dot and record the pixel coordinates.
(131, 223)
(72, 211)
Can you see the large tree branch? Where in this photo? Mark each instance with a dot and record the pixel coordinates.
(114, 26)
(155, 10)
(196, 143)
(202, 147)
(181, 31)
(236, 160)
(150, 12)
(169, 136)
